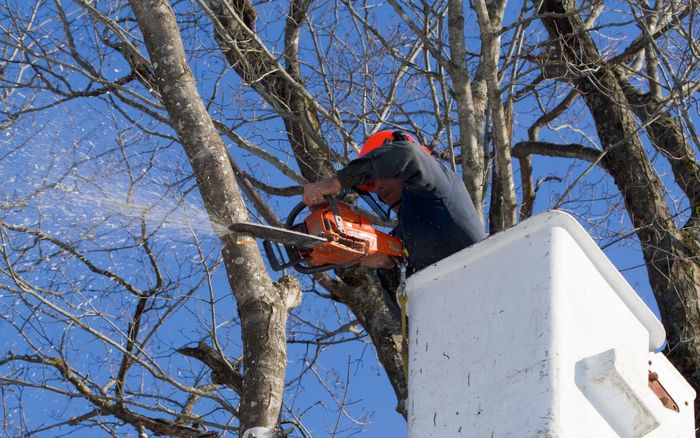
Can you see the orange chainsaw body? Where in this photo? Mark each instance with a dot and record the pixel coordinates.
(348, 242)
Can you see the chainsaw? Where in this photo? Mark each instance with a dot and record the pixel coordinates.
(334, 235)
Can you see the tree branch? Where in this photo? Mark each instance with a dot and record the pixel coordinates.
(223, 372)
(572, 150)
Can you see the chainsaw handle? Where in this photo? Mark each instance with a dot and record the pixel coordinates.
(293, 214)
(301, 206)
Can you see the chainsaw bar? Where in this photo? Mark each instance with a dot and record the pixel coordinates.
(277, 234)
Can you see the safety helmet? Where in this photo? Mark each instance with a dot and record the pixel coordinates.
(376, 140)
(379, 138)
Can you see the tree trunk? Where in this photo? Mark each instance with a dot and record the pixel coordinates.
(503, 204)
(472, 153)
(262, 305)
(670, 254)
(363, 294)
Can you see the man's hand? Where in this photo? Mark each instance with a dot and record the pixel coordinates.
(378, 261)
(314, 192)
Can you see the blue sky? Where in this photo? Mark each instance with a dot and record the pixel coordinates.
(98, 200)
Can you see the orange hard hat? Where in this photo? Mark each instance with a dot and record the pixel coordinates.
(379, 138)
(376, 140)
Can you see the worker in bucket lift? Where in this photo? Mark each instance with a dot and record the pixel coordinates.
(436, 216)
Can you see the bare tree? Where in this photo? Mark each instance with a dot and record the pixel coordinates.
(212, 111)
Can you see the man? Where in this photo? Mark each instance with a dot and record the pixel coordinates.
(436, 215)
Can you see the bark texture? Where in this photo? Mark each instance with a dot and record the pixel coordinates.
(361, 292)
(472, 161)
(503, 202)
(262, 305)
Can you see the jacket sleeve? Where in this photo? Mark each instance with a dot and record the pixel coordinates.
(406, 161)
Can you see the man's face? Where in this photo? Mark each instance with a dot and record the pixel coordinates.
(390, 191)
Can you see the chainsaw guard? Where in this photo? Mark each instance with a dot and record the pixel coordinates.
(294, 259)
